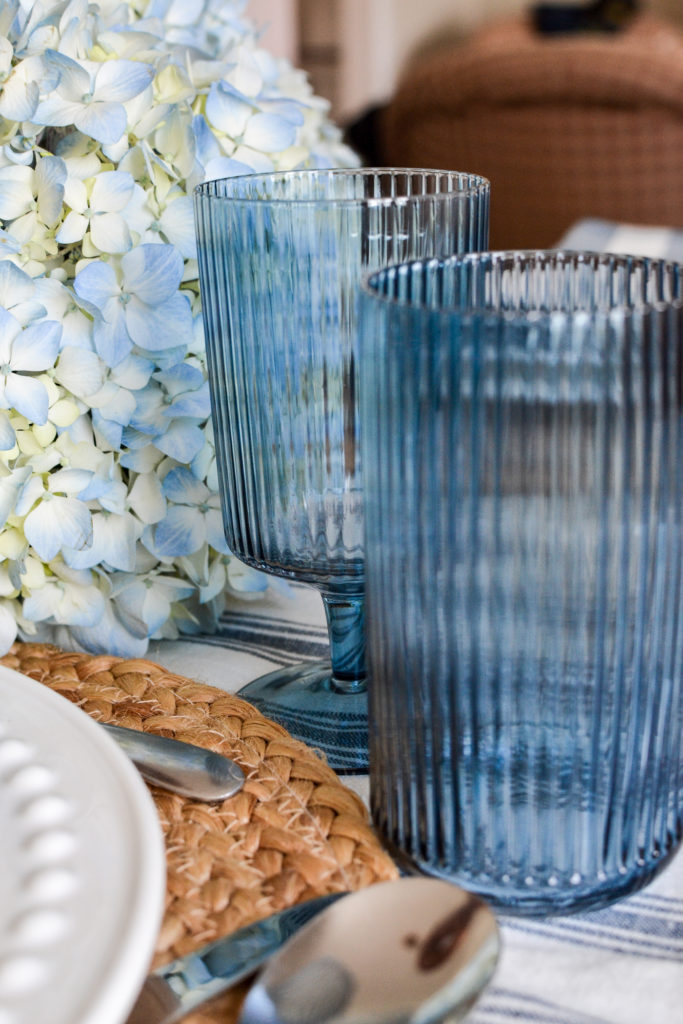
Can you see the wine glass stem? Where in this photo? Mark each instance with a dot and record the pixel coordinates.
(346, 625)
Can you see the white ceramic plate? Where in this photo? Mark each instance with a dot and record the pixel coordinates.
(82, 864)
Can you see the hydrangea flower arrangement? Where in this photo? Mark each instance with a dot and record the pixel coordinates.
(110, 113)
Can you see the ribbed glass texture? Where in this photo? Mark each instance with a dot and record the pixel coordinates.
(523, 455)
(281, 257)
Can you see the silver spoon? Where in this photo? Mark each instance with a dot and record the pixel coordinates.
(180, 767)
(415, 951)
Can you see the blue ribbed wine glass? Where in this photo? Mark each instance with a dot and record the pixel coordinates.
(281, 256)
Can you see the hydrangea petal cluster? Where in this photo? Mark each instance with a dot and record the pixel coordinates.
(111, 111)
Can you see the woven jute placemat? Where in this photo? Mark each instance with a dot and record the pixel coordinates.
(293, 832)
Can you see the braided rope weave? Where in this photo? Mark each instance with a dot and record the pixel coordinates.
(293, 832)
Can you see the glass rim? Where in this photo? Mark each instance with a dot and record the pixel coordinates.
(478, 185)
(535, 315)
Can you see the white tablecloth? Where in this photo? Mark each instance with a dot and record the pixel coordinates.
(623, 965)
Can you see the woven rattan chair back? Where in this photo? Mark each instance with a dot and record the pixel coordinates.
(565, 127)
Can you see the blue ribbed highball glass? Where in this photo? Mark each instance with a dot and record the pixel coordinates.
(523, 457)
(280, 262)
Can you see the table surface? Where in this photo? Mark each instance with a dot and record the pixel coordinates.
(622, 965)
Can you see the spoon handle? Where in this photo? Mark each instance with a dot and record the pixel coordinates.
(173, 991)
(181, 767)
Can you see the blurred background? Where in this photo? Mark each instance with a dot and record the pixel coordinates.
(573, 108)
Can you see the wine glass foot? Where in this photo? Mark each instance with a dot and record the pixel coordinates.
(302, 699)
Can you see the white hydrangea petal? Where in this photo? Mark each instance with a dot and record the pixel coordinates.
(56, 523)
(96, 283)
(183, 487)
(19, 98)
(27, 230)
(72, 229)
(69, 481)
(288, 109)
(119, 539)
(70, 604)
(215, 533)
(255, 159)
(269, 133)
(41, 604)
(27, 312)
(141, 460)
(144, 110)
(109, 233)
(8, 629)
(113, 498)
(130, 602)
(167, 326)
(80, 371)
(225, 167)
(156, 608)
(121, 80)
(15, 285)
(184, 12)
(56, 111)
(7, 437)
(102, 121)
(177, 224)
(149, 418)
(242, 579)
(16, 191)
(195, 404)
(10, 328)
(113, 544)
(43, 38)
(78, 328)
(50, 178)
(75, 193)
(146, 498)
(63, 413)
(81, 606)
(138, 214)
(111, 191)
(74, 80)
(109, 635)
(205, 141)
(152, 272)
(182, 441)
(215, 583)
(182, 532)
(38, 346)
(9, 490)
(120, 407)
(227, 111)
(28, 396)
(180, 378)
(106, 430)
(133, 373)
(30, 493)
(246, 75)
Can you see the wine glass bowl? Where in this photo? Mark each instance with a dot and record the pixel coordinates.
(281, 257)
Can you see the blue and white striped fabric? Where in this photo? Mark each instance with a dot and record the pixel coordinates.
(623, 965)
